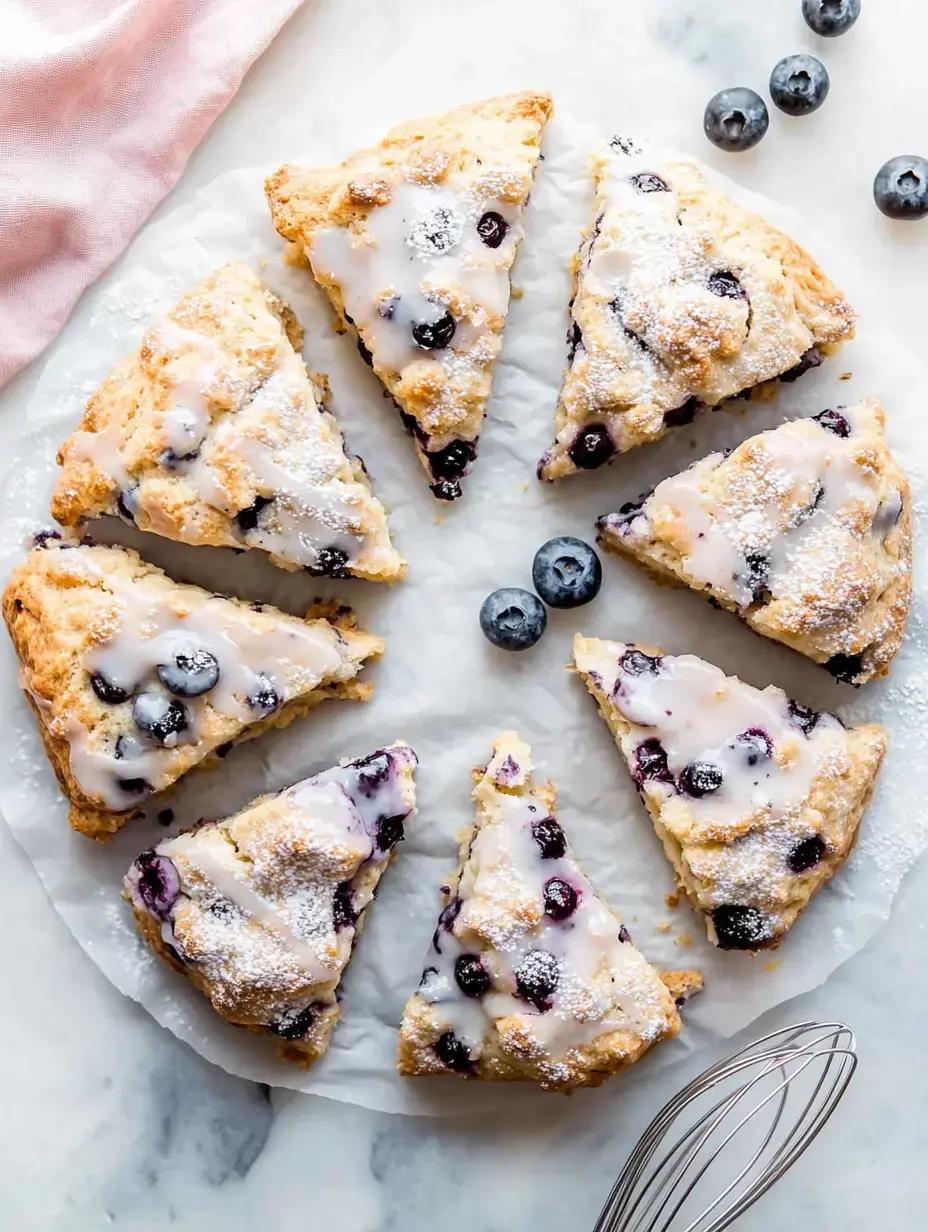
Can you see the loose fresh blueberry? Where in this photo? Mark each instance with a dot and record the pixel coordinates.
(806, 855)
(453, 1052)
(492, 228)
(567, 573)
(191, 672)
(736, 119)
(829, 18)
(834, 421)
(574, 342)
(434, 335)
(685, 414)
(901, 187)
(700, 778)
(550, 838)
(648, 182)
(758, 575)
(471, 975)
(247, 519)
(803, 717)
(537, 977)
(390, 831)
(727, 285)
(592, 447)
(160, 717)
(651, 762)
(813, 358)
(127, 503)
(799, 84)
(561, 899)
(740, 928)
(330, 562)
(107, 690)
(635, 662)
(263, 698)
(512, 619)
(453, 461)
(343, 912)
(755, 744)
(625, 936)
(158, 883)
(293, 1024)
(845, 668)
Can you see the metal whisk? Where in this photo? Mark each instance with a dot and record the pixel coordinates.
(722, 1141)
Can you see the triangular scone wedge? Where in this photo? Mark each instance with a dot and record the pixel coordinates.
(136, 679)
(683, 299)
(213, 432)
(261, 911)
(756, 798)
(531, 976)
(413, 240)
(803, 531)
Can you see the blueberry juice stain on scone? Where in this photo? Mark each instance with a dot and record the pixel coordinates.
(756, 798)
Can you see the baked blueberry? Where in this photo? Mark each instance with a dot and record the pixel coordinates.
(574, 342)
(365, 352)
(452, 461)
(436, 232)
(803, 717)
(727, 285)
(453, 1052)
(700, 778)
(471, 975)
(264, 697)
(799, 84)
(806, 854)
(834, 421)
(390, 831)
(648, 182)
(512, 619)
(549, 836)
(134, 787)
(561, 899)
(740, 928)
(373, 772)
(387, 306)
(343, 912)
(446, 922)
(537, 978)
(625, 936)
(172, 461)
(829, 18)
(651, 762)
(635, 662)
(165, 817)
(492, 228)
(330, 562)
(42, 538)
(158, 883)
(127, 503)
(434, 335)
(191, 672)
(684, 414)
(127, 748)
(755, 745)
(736, 119)
(446, 490)
(108, 690)
(160, 717)
(900, 188)
(592, 447)
(844, 667)
(813, 358)
(293, 1024)
(567, 573)
(247, 519)
(758, 575)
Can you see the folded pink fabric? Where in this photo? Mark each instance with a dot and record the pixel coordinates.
(101, 105)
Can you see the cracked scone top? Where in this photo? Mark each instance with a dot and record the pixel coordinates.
(530, 975)
(213, 432)
(682, 299)
(413, 240)
(803, 531)
(756, 798)
(261, 910)
(135, 679)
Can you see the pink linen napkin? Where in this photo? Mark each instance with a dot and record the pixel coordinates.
(101, 104)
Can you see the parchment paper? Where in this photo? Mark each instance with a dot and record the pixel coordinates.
(441, 685)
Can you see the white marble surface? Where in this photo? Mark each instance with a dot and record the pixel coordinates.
(108, 1120)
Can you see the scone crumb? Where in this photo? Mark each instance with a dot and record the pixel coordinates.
(516, 292)
(845, 376)
(672, 900)
(772, 963)
(684, 941)
(663, 926)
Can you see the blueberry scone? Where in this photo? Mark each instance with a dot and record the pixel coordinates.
(531, 976)
(261, 911)
(213, 432)
(414, 240)
(135, 679)
(682, 300)
(756, 798)
(803, 531)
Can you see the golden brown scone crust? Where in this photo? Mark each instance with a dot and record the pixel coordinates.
(226, 356)
(652, 343)
(830, 515)
(276, 849)
(744, 861)
(479, 156)
(493, 910)
(62, 603)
